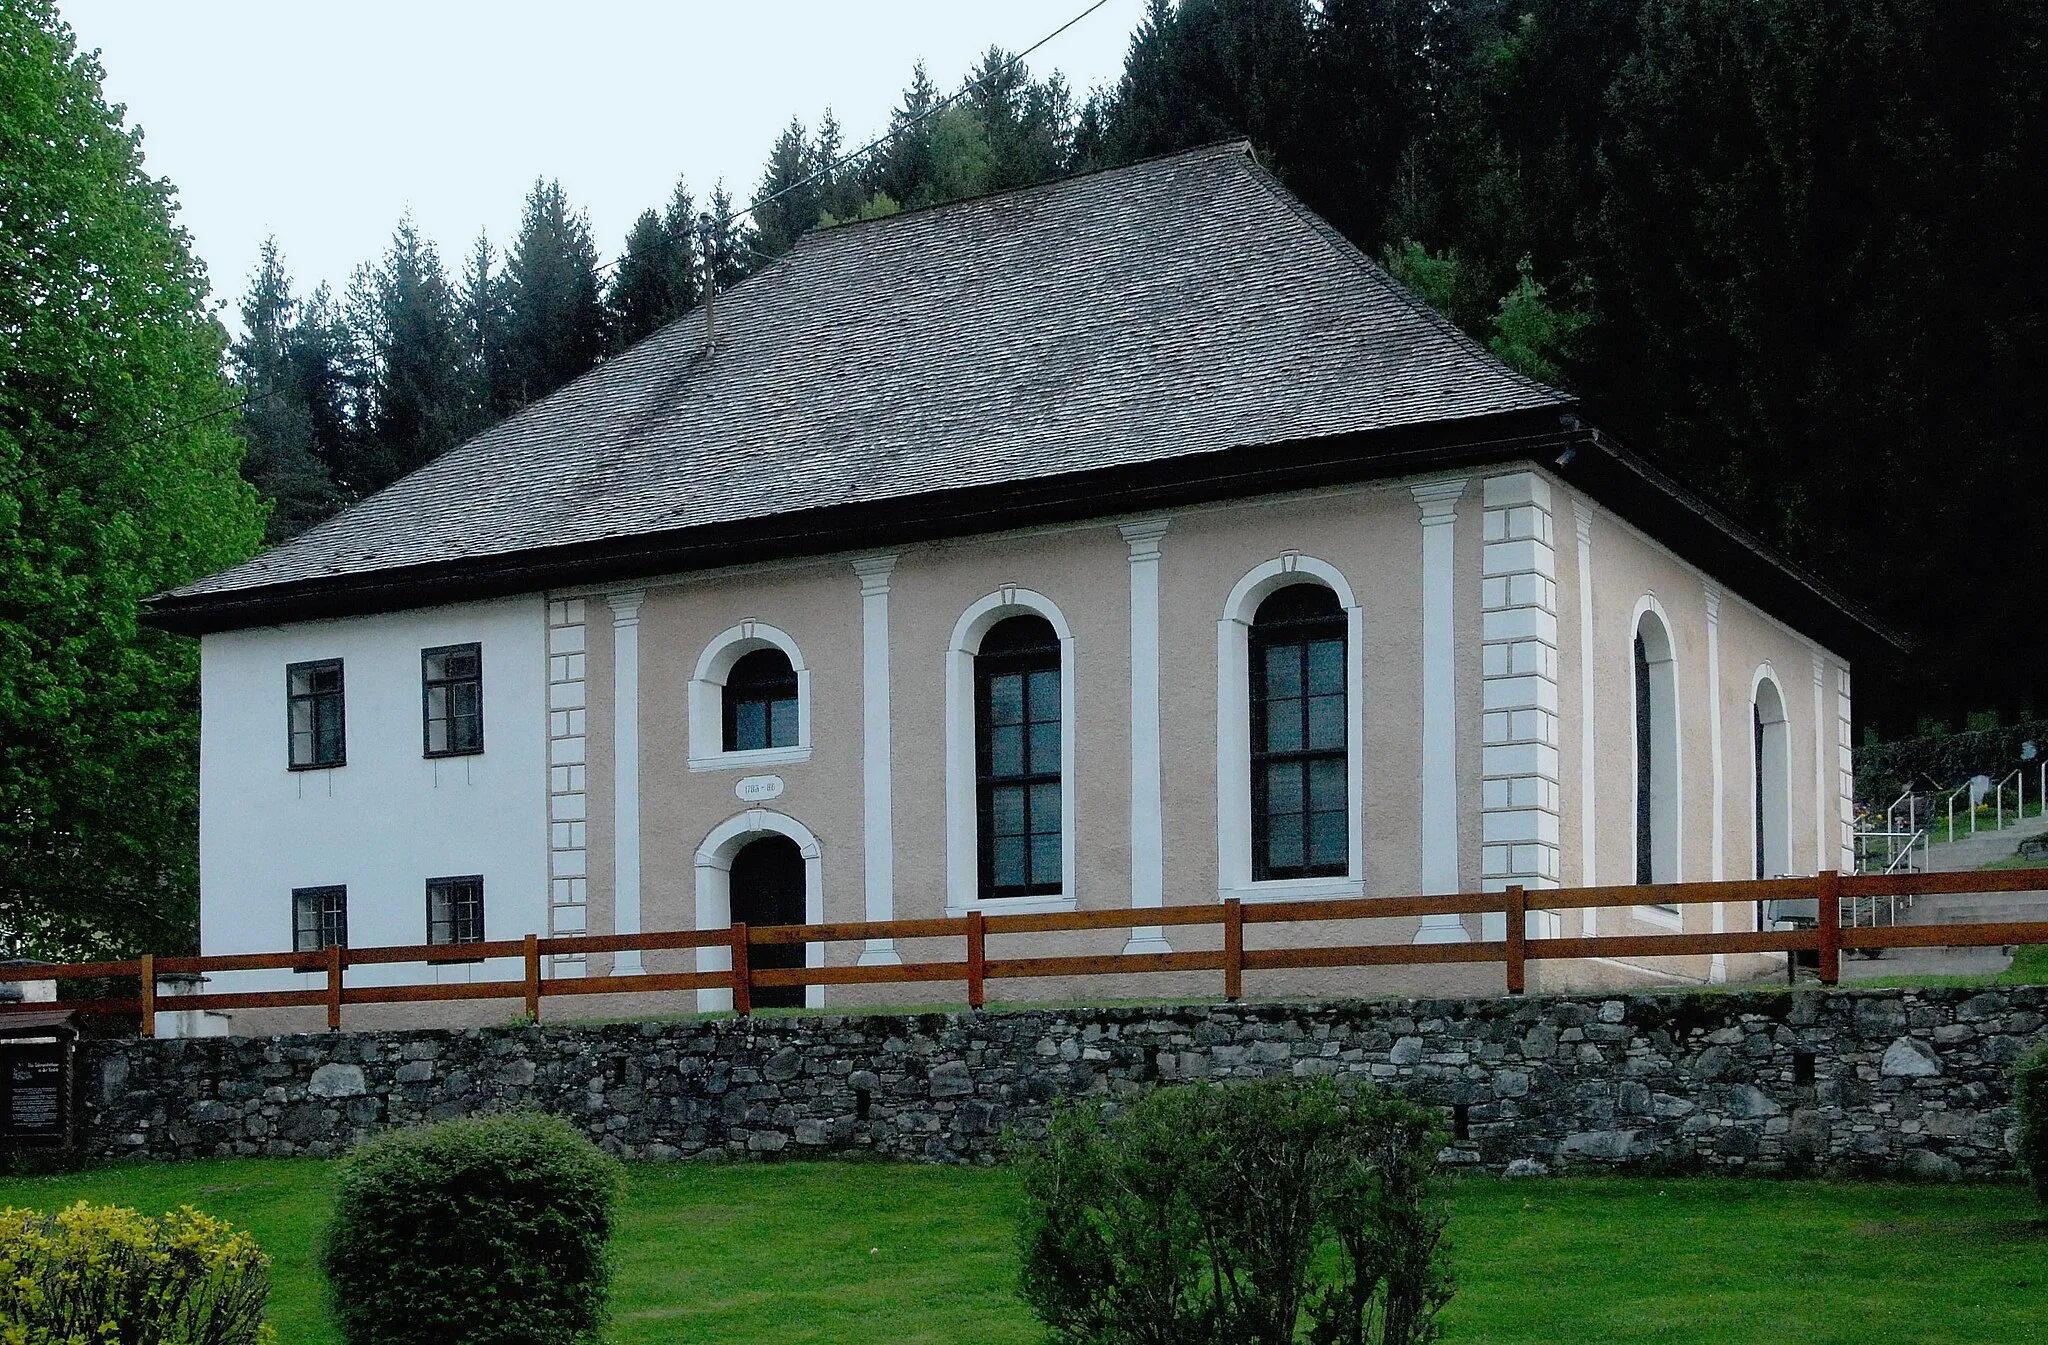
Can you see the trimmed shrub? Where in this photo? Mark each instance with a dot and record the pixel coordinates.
(489, 1231)
(1238, 1213)
(2030, 1099)
(110, 1276)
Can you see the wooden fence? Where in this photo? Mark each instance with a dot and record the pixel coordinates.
(1828, 940)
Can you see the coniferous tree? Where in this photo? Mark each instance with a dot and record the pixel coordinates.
(1026, 125)
(554, 313)
(733, 245)
(908, 169)
(1206, 70)
(482, 306)
(787, 204)
(658, 276)
(419, 390)
(320, 352)
(282, 458)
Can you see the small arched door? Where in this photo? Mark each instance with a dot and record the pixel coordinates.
(767, 888)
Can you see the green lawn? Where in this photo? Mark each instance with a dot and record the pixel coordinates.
(807, 1254)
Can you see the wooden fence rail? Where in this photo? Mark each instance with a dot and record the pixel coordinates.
(1829, 939)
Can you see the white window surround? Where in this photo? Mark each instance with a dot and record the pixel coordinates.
(1234, 734)
(1667, 810)
(707, 707)
(963, 841)
(1767, 696)
(714, 893)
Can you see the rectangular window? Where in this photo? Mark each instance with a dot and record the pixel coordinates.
(455, 910)
(452, 692)
(313, 697)
(319, 918)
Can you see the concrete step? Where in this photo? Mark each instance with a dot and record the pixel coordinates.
(1969, 908)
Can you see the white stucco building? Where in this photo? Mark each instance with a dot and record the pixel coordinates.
(1124, 541)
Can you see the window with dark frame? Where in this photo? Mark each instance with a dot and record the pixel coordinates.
(319, 918)
(1756, 793)
(316, 713)
(1017, 758)
(760, 702)
(1646, 865)
(1301, 815)
(455, 910)
(452, 700)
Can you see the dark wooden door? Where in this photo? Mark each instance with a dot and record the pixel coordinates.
(768, 889)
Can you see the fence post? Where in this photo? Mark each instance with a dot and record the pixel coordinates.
(742, 974)
(1233, 949)
(1829, 911)
(977, 960)
(533, 977)
(149, 994)
(334, 966)
(1518, 938)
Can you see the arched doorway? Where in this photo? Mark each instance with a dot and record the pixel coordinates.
(767, 888)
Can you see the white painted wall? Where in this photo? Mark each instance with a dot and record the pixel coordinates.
(391, 818)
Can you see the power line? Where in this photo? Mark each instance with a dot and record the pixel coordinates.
(835, 166)
(893, 132)
(887, 136)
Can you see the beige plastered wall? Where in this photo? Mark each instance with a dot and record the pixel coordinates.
(1372, 534)
(1629, 572)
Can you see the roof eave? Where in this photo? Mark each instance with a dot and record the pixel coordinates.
(1252, 470)
(1553, 437)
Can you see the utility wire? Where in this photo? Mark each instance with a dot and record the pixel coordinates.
(735, 217)
(886, 137)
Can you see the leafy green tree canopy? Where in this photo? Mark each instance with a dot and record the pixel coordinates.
(119, 476)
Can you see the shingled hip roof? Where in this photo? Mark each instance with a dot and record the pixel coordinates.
(1174, 330)
(1137, 315)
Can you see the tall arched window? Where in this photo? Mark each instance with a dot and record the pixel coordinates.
(1300, 797)
(1017, 758)
(760, 702)
(1656, 716)
(1773, 780)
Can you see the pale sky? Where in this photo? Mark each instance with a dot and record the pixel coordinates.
(322, 123)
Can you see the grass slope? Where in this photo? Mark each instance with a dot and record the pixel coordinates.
(810, 1253)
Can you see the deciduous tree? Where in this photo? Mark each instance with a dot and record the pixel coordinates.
(119, 476)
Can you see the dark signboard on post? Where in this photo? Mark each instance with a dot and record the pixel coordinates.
(35, 1083)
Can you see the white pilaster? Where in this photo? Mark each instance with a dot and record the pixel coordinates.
(626, 773)
(1824, 856)
(1438, 502)
(879, 830)
(1148, 837)
(568, 814)
(1589, 794)
(1519, 822)
(1718, 860)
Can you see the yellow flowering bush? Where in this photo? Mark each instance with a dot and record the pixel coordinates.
(102, 1275)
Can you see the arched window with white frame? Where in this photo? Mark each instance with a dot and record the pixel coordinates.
(1289, 734)
(1655, 704)
(1010, 750)
(749, 701)
(1017, 729)
(1771, 780)
(1300, 768)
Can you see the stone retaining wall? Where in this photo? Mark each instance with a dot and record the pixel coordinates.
(1912, 1082)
